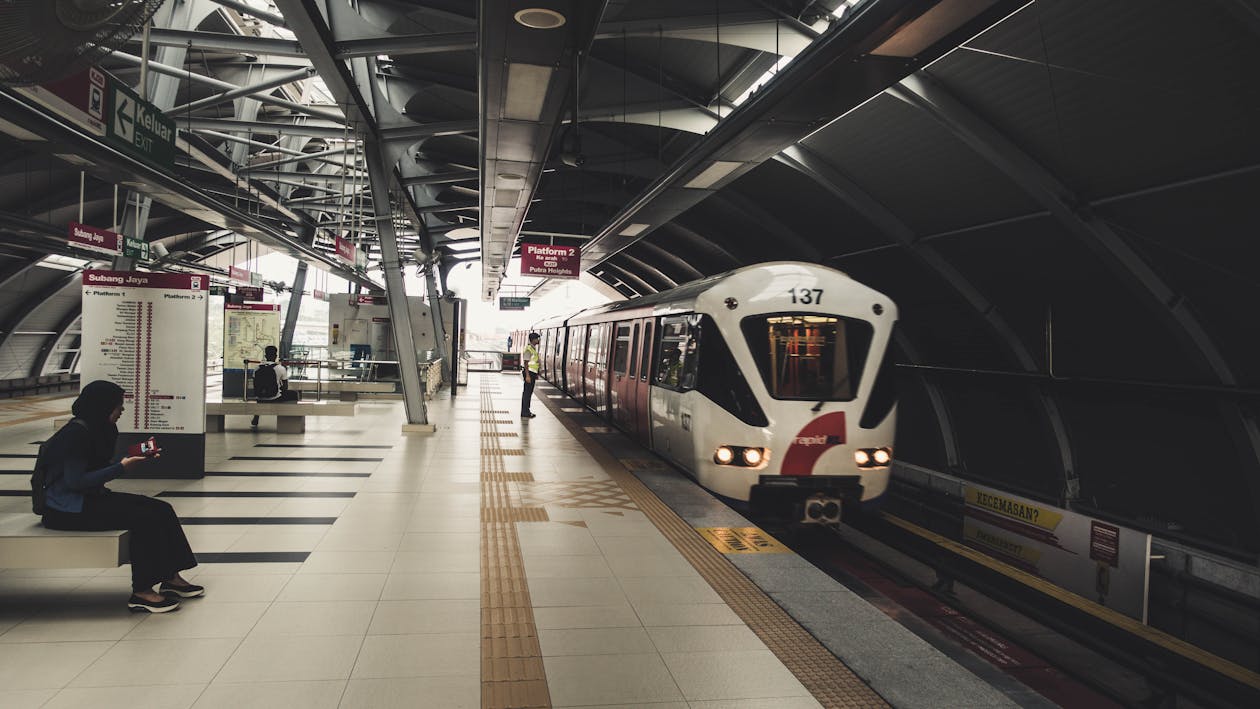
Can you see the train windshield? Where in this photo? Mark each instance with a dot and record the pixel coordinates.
(807, 356)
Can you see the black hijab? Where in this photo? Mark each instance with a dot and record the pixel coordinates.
(97, 400)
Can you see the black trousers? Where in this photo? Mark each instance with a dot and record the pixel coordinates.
(159, 549)
(528, 392)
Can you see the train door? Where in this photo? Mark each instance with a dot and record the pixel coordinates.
(621, 390)
(603, 369)
(642, 385)
(577, 355)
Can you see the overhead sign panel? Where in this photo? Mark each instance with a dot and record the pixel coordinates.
(93, 239)
(345, 250)
(139, 128)
(550, 261)
(506, 303)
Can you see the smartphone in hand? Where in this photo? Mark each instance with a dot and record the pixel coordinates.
(148, 448)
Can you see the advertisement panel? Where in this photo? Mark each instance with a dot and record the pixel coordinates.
(1091, 558)
(146, 332)
(550, 261)
(99, 240)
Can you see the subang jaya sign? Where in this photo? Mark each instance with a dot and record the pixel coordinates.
(550, 261)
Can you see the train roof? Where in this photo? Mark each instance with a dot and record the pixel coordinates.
(687, 291)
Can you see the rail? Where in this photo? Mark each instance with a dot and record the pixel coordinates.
(360, 370)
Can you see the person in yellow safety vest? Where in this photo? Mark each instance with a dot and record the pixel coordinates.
(529, 370)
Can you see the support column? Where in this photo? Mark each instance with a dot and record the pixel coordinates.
(295, 307)
(439, 327)
(396, 291)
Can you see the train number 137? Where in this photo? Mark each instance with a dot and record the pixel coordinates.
(806, 296)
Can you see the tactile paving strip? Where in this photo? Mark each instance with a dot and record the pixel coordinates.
(831, 682)
(512, 672)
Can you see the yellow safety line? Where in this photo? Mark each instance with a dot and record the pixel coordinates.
(1159, 637)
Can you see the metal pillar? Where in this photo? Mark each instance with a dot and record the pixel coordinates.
(295, 307)
(439, 326)
(395, 288)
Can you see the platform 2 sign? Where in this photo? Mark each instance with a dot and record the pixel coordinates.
(146, 332)
(1093, 559)
(550, 261)
(507, 303)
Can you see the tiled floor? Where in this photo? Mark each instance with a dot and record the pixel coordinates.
(381, 603)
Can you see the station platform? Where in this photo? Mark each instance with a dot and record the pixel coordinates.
(496, 563)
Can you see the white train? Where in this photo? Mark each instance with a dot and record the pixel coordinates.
(768, 384)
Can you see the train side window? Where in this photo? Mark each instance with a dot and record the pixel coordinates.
(673, 337)
(621, 352)
(721, 381)
(634, 350)
(645, 363)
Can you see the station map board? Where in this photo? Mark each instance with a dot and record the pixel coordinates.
(146, 332)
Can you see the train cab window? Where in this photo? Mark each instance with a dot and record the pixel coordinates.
(634, 349)
(720, 379)
(807, 356)
(621, 351)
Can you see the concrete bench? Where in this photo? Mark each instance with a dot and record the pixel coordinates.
(26, 544)
(348, 390)
(290, 416)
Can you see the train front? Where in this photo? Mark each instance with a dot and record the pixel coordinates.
(812, 345)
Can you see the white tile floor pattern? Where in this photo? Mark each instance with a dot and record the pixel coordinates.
(385, 610)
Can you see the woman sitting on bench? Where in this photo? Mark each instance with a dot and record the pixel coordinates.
(79, 465)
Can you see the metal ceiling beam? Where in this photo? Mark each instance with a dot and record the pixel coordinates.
(223, 42)
(313, 128)
(251, 11)
(406, 45)
(841, 187)
(110, 164)
(845, 67)
(186, 74)
(526, 77)
(424, 131)
(249, 90)
(440, 178)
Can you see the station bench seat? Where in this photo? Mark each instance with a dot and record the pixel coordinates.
(348, 389)
(26, 544)
(290, 416)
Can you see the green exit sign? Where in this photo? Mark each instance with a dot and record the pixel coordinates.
(136, 248)
(506, 303)
(138, 128)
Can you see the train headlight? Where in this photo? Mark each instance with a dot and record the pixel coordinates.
(752, 457)
(740, 456)
(882, 456)
(862, 458)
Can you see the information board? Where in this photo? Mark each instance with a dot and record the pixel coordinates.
(146, 332)
(1094, 559)
(247, 330)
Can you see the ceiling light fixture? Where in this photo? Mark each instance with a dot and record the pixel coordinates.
(634, 229)
(539, 18)
(526, 91)
(712, 174)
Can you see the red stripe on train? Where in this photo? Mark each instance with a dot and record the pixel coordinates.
(816, 438)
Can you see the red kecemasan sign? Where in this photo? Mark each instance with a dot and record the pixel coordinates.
(550, 261)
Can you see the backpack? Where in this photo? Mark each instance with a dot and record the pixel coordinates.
(39, 477)
(266, 384)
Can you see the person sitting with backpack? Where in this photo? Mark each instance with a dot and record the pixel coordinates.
(68, 489)
(271, 382)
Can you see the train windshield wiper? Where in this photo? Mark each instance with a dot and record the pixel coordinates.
(818, 406)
